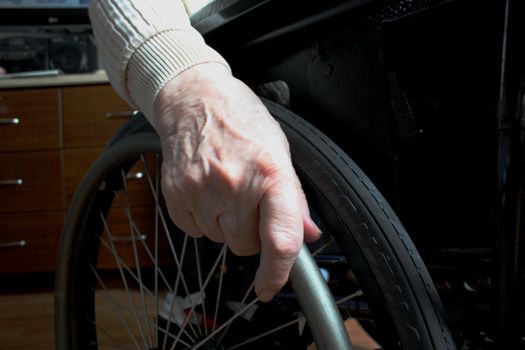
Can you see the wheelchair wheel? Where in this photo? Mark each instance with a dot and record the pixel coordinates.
(128, 278)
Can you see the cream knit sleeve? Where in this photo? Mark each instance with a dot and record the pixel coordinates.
(144, 44)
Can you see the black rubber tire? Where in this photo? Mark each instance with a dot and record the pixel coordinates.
(404, 302)
(380, 252)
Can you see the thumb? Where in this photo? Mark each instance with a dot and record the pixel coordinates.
(312, 232)
(281, 234)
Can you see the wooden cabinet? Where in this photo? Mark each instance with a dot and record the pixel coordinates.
(48, 139)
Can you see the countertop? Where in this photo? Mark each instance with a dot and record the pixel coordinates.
(98, 77)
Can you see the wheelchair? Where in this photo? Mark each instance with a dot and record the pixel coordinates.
(322, 75)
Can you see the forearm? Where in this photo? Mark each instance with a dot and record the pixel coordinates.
(144, 44)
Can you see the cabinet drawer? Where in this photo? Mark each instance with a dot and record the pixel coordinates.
(78, 161)
(29, 119)
(30, 181)
(92, 115)
(29, 241)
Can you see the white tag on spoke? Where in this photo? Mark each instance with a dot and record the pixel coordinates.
(236, 307)
(173, 307)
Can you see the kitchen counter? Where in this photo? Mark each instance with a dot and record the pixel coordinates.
(98, 77)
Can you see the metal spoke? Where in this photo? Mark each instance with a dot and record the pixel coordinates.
(155, 192)
(123, 277)
(215, 264)
(225, 324)
(107, 296)
(243, 300)
(323, 247)
(170, 242)
(221, 255)
(342, 300)
(115, 305)
(248, 292)
(127, 210)
(199, 276)
(113, 340)
(175, 288)
(219, 289)
(276, 329)
(153, 258)
(165, 282)
(123, 308)
(186, 289)
(359, 293)
(172, 336)
(105, 292)
(174, 253)
(122, 263)
(177, 338)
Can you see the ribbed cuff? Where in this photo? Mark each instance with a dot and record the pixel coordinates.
(160, 59)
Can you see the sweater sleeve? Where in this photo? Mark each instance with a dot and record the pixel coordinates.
(144, 44)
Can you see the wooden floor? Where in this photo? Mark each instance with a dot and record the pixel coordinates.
(26, 313)
(26, 321)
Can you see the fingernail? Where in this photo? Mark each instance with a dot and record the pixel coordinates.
(319, 232)
(317, 228)
(265, 296)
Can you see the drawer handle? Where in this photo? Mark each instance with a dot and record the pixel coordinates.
(10, 121)
(129, 238)
(135, 176)
(11, 182)
(121, 114)
(14, 244)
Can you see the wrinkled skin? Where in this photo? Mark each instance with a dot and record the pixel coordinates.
(227, 172)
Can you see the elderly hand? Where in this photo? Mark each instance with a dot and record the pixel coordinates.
(227, 172)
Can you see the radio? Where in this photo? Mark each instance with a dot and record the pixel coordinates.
(69, 53)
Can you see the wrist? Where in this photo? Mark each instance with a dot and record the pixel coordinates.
(194, 85)
(190, 79)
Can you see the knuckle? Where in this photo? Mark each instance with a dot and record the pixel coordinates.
(268, 166)
(230, 176)
(230, 180)
(286, 248)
